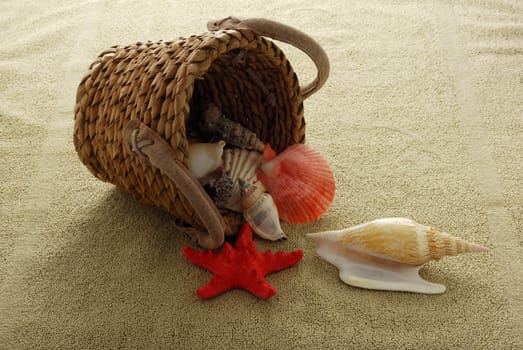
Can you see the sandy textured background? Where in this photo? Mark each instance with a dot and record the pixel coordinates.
(422, 117)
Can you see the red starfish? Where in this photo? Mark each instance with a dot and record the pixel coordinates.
(241, 266)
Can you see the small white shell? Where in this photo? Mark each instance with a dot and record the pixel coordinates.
(260, 212)
(205, 158)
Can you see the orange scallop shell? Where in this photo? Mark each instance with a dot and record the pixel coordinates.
(300, 182)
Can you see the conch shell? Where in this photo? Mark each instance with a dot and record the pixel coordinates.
(217, 125)
(260, 212)
(388, 253)
(205, 158)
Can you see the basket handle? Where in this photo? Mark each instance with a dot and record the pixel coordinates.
(153, 149)
(286, 34)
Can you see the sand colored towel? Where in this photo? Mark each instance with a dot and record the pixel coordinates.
(422, 117)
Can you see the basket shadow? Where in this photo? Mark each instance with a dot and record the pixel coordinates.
(122, 261)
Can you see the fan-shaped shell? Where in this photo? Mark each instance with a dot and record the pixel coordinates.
(260, 212)
(238, 164)
(241, 163)
(300, 181)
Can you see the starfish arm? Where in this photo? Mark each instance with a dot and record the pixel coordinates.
(259, 287)
(244, 237)
(216, 286)
(201, 258)
(280, 260)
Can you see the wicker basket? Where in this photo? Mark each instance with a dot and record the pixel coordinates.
(134, 105)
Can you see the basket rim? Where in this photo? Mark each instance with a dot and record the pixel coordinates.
(215, 44)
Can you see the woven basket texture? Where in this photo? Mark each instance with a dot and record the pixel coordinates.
(164, 84)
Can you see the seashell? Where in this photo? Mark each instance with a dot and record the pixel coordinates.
(300, 181)
(260, 212)
(205, 158)
(241, 163)
(388, 253)
(237, 164)
(223, 189)
(216, 124)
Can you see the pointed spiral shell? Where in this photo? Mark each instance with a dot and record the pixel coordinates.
(401, 240)
(235, 134)
(260, 212)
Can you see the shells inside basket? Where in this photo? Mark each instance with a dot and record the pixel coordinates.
(388, 253)
(299, 180)
(230, 175)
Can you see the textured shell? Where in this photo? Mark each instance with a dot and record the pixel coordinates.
(300, 181)
(260, 212)
(399, 239)
(241, 164)
(205, 158)
(223, 191)
(237, 164)
(216, 124)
